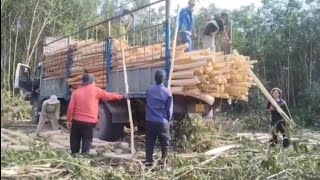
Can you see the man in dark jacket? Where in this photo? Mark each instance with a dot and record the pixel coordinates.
(213, 33)
(277, 122)
(158, 115)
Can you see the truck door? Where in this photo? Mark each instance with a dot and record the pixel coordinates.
(23, 77)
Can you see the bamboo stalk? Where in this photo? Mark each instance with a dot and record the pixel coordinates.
(183, 74)
(128, 100)
(174, 49)
(185, 82)
(177, 89)
(204, 97)
(189, 66)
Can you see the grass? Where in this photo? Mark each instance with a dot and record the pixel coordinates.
(250, 161)
(14, 108)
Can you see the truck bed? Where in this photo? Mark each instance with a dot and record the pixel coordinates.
(59, 87)
(139, 80)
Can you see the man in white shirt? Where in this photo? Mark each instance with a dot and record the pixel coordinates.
(50, 111)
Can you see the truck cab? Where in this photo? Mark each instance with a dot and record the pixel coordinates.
(28, 83)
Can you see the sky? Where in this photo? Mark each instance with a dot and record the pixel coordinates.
(221, 4)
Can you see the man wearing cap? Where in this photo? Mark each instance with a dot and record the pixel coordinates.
(158, 115)
(186, 25)
(82, 115)
(50, 111)
(213, 33)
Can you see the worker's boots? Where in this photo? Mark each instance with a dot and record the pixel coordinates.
(274, 141)
(164, 156)
(285, 142)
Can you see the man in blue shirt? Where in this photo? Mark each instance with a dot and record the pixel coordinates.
(186, 24)
(158, 114)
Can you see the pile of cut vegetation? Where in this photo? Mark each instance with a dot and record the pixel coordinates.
(14, 108)
(200, 152)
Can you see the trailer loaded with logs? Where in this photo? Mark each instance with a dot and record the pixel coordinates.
(199, 78)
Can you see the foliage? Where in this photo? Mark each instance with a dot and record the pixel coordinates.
(250, 161)
(308, 109)
(14, 108)
(192, 133)
(77, 167)
(254, 121)
(24, 25)
(283, 36)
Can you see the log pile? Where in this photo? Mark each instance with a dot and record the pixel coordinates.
(88, 57)
(55, 57)
(91, 58)
(206, 74)
(201, 73)
(54, 62)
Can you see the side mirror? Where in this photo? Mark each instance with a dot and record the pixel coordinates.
(23, 77)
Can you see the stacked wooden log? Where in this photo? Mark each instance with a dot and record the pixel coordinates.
(145, 56)
(54, 61)
(91, 58)
(88, 57)
(206, 74)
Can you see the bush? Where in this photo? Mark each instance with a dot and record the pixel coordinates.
(255, 121)
(192, 134)
(14, 107)
(308, 106)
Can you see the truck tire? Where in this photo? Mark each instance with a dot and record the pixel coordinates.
(36, 108)
(107, 130)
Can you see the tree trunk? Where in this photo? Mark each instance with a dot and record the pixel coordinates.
(9, 59)
(15, 55)
(31, 31)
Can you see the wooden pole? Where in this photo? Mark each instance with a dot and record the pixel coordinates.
(128, 100)
(174, 44)
(231, 36)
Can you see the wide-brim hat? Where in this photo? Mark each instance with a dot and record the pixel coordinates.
(53, 100)
(276, 89)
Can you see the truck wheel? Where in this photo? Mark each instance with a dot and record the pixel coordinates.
(35, 112)
(179, 116)
(107, 130)
(141, 128)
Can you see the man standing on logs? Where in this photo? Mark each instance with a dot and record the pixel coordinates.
(213, 33)
(82, 115)
(120, 26)
(50, 111)
(158, 115)
(186, 25)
